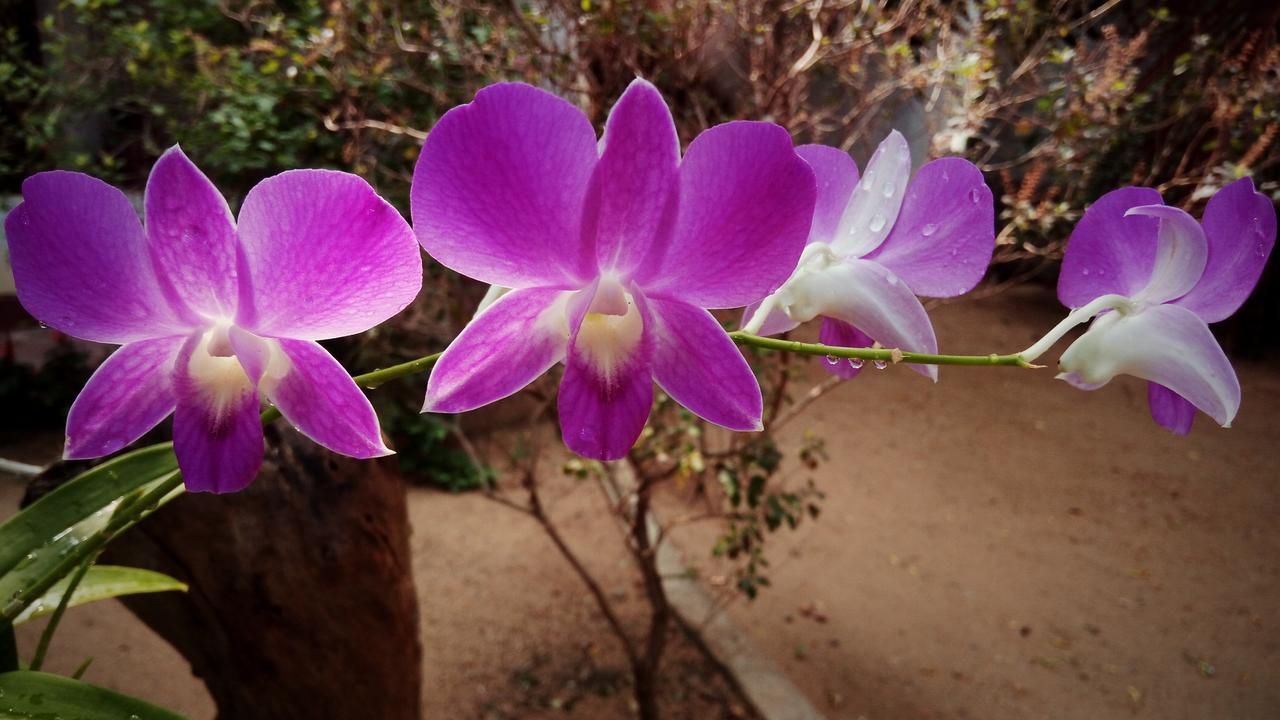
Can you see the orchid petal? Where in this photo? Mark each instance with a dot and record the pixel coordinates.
(875, 202)
(1164, 344)
(607, 388)
(324, 257)
(837, 175)
(126, 396)
(1169, 409)
(746, 202)
(945, 233)
(635, 187)
(1240, 226)
(1109, 251)
(841, 334)
(1181, 251)
(79, 260)
(192, 237)
(499, 187)
(697, 364)
(322, 401)
(506, 347)
(870, 297)
(775, 323)
(217, 433)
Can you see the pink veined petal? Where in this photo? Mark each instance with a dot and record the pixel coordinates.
(506, 347)
(192, 237)
(841, 334)
(945, 233)
(634, 190)
(870, 297)
(836, 174)
(607, 388)
(775, 323)
(127, 396)
(323, 257)
(1181, 251)
(79, 260)
(1109, 252)
(322, 401)
(499, 188)
(874, 205)
(1240, 226)
(1164, 344)
(697, 364)
(217, 433)
(746, 203)
(1169, 409)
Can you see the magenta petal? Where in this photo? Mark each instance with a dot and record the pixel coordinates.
(838, 333)
(1240, 226)
(1169, 409)
(837, 175)
(324, 257)
(945, 233)
(697, 364)
(127, 396)
(601, 417)
(607, 388)
(746, 202)
(192, 236)
(217, 432)
(634, 190)
(323, 402)
(1109, 252)
(80, 263)
(499, 188)
(506, 347)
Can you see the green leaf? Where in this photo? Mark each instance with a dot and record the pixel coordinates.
(78, 499)
(99, 583)
(26, 695)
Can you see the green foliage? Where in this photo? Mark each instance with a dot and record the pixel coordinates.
(101, 582)
(28, 695)
(428, 450)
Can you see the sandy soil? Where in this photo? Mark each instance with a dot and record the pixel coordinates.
(996, 546)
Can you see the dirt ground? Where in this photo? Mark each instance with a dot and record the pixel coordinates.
(996, 546)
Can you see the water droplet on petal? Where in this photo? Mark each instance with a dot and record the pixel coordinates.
(928, 229)
(882, 364)
(888, 189)
(833, 360)
(1085, 272)
(893, 279)
(856, 363)
(43, 326)
(975, 196)
(877, 223)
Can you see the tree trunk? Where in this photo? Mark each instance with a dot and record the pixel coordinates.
(302, 603)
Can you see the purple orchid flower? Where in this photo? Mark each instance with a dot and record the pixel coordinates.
(1160, 278)
(614, 255)
(213, 315)
(878, 241)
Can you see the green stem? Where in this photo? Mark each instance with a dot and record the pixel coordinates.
(46, 637)
(882, 354)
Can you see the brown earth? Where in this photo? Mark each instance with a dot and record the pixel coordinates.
(997, 546)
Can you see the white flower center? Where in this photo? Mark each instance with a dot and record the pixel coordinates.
(611, 329)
